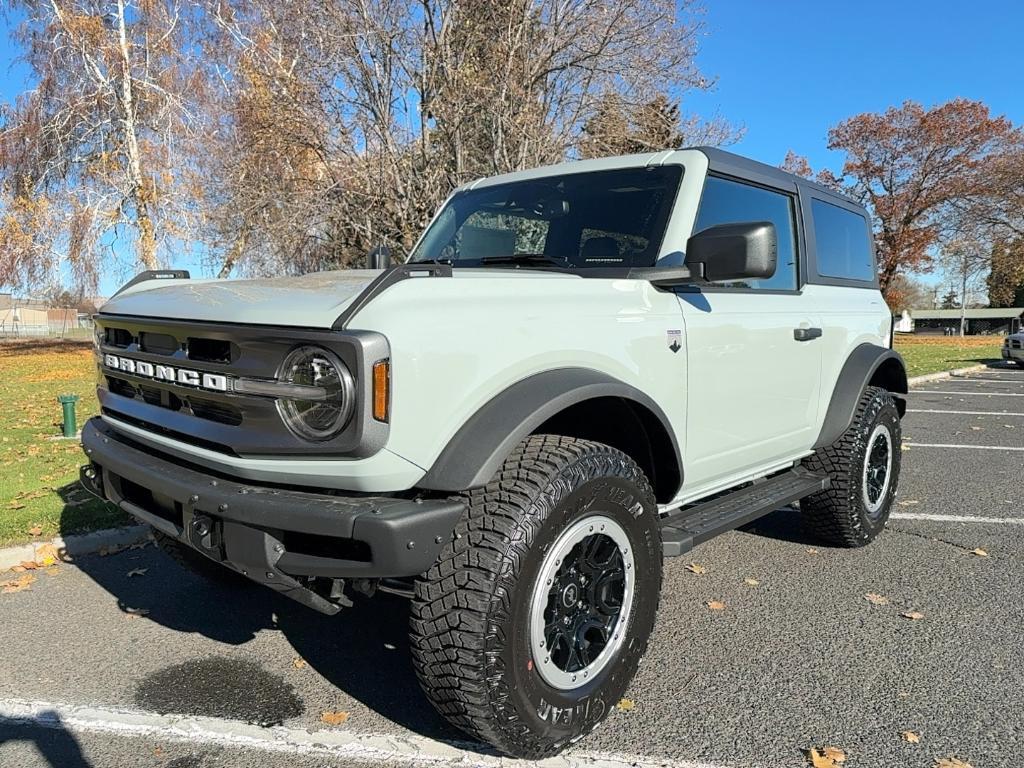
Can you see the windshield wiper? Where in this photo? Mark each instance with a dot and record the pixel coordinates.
(532, 259)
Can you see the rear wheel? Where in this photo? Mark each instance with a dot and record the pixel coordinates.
(533, 621)
(864, 469)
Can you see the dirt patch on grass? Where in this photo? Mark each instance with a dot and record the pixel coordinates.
(19, 347)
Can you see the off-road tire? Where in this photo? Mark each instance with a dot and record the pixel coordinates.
(839, 515)
(195, 562)
(470, 613)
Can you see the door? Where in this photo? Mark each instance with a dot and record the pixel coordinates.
(753, 348)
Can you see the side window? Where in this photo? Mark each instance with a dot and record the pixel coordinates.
(842, 242)
(730, 202)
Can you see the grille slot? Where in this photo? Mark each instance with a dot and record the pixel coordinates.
(211, 411)
(120, 387)
(158, 343)
(211, 350)
(117, 337)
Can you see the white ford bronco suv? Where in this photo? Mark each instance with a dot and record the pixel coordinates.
(579, 371)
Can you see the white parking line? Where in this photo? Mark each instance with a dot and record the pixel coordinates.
(337, 744)
(974, 394)
(956, 518)
(965, 413)
(972, 447)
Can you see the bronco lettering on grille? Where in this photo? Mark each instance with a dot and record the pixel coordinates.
(183, 376)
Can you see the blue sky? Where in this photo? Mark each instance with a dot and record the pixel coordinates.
(788, 70)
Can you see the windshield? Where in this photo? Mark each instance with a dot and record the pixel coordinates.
(597, 219)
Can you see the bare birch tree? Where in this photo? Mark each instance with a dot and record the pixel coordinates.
(94, 160)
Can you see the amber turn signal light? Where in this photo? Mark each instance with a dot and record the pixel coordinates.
(381, 389)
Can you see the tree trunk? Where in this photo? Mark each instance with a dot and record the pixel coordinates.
(234, 254)
(140, 193)
(963, 300)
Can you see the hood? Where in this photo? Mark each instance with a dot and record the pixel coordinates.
(308, 301)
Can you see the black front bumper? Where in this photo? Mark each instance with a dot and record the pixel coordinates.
(295, 541)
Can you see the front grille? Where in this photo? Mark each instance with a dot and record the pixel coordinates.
(158, 429)
(1016, 344)
(184, 380)
(197, 406)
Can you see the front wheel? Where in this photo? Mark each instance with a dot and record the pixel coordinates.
(864, 469)
(530, 626)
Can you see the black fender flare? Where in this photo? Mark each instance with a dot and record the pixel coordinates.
(867, 364)
(479, 447)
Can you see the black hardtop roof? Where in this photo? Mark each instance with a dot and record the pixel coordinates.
(732, 164)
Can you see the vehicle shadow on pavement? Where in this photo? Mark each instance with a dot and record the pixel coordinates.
(783, 525)
(363, 651)
(57, 745)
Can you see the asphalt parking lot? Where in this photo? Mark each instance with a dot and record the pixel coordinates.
(798, 659)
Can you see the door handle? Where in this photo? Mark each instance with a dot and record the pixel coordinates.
(806, 334)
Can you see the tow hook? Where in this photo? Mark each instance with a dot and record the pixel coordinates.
(203, 532)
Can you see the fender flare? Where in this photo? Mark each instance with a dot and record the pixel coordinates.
(857, 373)
(479, 447)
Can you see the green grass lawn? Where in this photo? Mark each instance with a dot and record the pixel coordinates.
(39, 491)
(932, 355)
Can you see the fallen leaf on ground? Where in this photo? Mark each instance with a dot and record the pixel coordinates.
(812, 551)
(28, 565)
(35, 530)
(715, 605)
(912, 737)
(333, 718)
(136, 572)
(695, 568)
(47, 555)
(626, 705)
(979, 552)
(751, 582)
(909, 503)
(829, 757)
(951, 762)
(976, 429)
(133, 613)
(299, 663)
(875, 599)
(17, 505)
(914, 615)
(18, 584)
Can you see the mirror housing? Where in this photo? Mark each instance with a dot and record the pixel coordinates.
(379, 258)
(745, 250)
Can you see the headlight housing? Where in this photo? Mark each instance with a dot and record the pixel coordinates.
(327, 408)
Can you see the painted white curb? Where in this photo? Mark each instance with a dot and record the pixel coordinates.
(339, 744)
(944, 374)
(72, 546)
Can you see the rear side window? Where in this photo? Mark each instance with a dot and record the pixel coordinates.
(842, 242)
(731, 202)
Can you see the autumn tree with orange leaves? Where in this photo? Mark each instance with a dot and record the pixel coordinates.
(929, 177)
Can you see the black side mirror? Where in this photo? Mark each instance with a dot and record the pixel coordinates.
(379, 258)
(746, 250)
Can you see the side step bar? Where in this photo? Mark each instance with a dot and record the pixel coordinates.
(684, 529)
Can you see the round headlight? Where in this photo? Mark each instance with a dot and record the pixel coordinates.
(326, 410)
